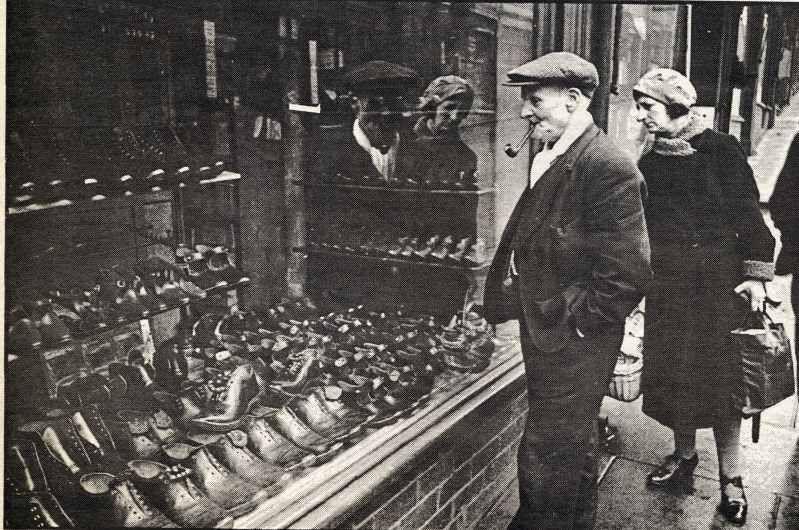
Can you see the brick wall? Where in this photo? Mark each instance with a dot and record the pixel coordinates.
(456, 480)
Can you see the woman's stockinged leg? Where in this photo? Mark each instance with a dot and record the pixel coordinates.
(685, 443)
(728, 446)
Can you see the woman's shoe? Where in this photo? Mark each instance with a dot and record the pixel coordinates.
(675, 471)
(734, 509)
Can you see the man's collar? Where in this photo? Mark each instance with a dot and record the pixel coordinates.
(579, 123)
(363, 140)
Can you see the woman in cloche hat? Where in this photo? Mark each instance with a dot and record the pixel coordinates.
(711, 256)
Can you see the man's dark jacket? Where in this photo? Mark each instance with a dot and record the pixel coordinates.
(581, 245)
(784, 206)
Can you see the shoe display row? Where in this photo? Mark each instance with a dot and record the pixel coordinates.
(436, 248)
(96, 163)
(454, 182)
(228, 413)
(119, 295)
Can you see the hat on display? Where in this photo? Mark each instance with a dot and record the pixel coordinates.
(380, 77)
(557, 68)
(444, 88)
(668, 86)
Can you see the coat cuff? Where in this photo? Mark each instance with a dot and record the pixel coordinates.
(758, 270)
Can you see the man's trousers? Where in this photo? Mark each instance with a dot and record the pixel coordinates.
(557, 475)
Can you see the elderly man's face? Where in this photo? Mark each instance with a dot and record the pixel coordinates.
(379, 118)
(547, 109)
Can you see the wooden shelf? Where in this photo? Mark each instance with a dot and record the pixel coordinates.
(223, 177)
(390, 260)
(391, 189)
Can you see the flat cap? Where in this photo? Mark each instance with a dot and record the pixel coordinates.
(380, 76)
(557, 68)
(667, 86)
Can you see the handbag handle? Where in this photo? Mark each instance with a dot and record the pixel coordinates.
(764, 320)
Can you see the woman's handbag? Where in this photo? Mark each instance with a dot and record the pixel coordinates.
(767, 375)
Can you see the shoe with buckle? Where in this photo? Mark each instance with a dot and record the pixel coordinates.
(40, 509)
(674, 473)
(178, 496)
(119, 503)
(734, 509)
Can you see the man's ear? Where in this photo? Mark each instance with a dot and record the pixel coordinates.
(573, 99)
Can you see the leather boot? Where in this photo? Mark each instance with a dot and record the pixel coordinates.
(272, 446)
(285, 420)
(240, 393)
(35, 510)
(96, 437)
(62, 454)
(24, 473)
(225, 488)
(184, 406)
(232, 450)
(313, 410)
(122, 503)
(178, 496)
(148, 432)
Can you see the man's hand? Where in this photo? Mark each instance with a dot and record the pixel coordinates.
(754, 291)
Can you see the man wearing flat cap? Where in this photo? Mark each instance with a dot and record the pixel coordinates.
(379, 147)
(445, 161)
(573, 261)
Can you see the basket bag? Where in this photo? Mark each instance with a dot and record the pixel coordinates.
(767, 375)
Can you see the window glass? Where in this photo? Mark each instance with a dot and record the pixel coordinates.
(645, 40)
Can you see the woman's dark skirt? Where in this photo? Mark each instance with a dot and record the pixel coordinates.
(689, 370)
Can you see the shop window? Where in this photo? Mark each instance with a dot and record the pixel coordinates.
(645, 38)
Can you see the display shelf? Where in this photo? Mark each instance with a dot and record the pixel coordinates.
(318, 498)
(223, 177)
(392, 189)
(386, 259)
(120, 323)
(223, 288)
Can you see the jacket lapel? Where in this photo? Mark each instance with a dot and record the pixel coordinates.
(551, 182)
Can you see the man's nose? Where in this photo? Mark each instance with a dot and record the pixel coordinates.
(640, 114)
(527, 110)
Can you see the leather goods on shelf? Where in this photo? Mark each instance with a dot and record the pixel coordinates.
(118, 502)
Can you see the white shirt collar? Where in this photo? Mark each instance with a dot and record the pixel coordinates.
(578, 124)
(363, 140)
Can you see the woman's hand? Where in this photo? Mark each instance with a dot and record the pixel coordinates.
(754, 291)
